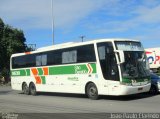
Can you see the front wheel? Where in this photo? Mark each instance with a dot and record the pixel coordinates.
(32, 89)
(92, 91)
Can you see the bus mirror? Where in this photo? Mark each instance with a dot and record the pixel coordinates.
(121, 56)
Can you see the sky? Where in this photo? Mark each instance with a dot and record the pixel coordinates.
(94, 19)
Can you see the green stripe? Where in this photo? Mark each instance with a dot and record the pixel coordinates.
(73, 69)
(125, 80)
(43, 79)
(40, 71)
(94, 68)
(61, 70)
(28, 72)
(23, 72)
(58, 70)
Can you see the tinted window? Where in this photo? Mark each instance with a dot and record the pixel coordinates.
(38, 60)
(41, 60)
(86, 54)
(69, 57)
(23, 61)
(44, 60)
(54, 57)
(80, 54)
(30, 60)
(18, 62)
(102, 53)
(108, 61)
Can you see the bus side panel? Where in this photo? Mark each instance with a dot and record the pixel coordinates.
(17, 81)
(66, 83)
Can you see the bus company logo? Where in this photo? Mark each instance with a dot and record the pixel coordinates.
(15, 73)
(82, 70)
(79, 70)
(152, 58)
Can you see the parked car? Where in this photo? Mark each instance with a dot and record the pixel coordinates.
(155, 84)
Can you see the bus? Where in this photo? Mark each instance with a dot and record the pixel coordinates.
(98, 67)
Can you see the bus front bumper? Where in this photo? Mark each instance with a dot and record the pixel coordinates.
(128, 90)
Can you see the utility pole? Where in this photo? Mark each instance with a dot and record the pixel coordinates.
(52, 22)
(32, 46)
(82, 37)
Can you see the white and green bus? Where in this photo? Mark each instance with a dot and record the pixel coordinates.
(98, 67)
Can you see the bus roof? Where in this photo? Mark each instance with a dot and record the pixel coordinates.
(71, 44)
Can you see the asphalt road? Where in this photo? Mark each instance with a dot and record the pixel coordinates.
(62, 104)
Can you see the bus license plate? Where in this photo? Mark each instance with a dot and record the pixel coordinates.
(139, 89)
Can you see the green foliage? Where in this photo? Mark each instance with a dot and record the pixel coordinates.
(5, 72)
(1, 28)
(12, 41)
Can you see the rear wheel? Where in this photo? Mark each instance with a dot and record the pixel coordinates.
(153, 90)
(92, 91)
(32, 89)
(25, 89)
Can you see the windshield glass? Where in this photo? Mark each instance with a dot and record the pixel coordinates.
(129, 45)
(135, 65)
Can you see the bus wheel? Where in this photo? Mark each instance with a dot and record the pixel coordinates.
(32, 89)
(25, 89)
(92, 91)
(153, 90)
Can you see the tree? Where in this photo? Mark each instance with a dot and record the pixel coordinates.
(1, 46)
(12, 41)
(1, 28)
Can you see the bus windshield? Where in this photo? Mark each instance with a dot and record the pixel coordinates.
(135, 65)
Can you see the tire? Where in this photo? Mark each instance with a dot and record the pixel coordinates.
(32, 89)
(153, 90)
(25, 89)
(92, 91)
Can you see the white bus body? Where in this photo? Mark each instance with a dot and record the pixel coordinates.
(94, 68)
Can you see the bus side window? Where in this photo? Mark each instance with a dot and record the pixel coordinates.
(44, 60)
(38, 60)
(108, 61)
(69, 57)
(102, 58)
(114, 74)
(41, 60)
(103, 52)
